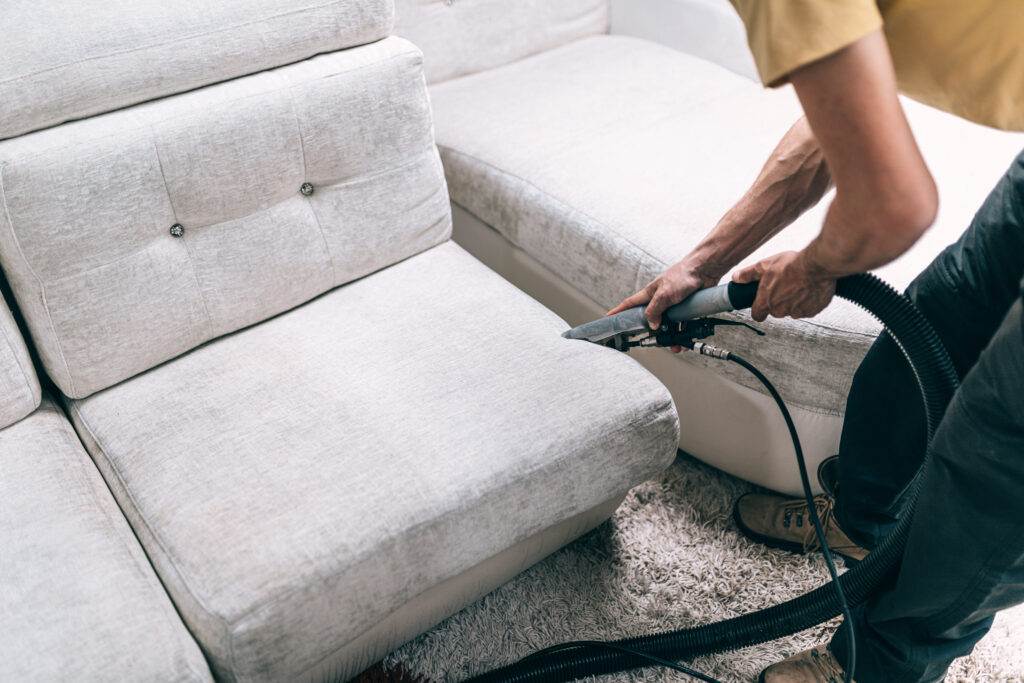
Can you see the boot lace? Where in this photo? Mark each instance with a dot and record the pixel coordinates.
(827, 665)
(825, 506)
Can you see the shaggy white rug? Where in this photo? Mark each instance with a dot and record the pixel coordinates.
(670, 557)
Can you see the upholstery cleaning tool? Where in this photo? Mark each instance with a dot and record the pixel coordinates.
(683, 325)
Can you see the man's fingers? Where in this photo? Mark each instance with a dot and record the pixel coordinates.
(748, 274)
(638, 299)
(759, 311)
(754, 273)
(659, 302)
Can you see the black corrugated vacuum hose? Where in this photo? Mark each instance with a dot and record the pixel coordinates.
(937, 380)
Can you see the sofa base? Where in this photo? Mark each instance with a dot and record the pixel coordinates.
(432, 606)
(728, 426)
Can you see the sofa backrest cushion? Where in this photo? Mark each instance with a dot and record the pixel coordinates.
(132, 237)
(19, 386)
(64, 59)
(460, 37)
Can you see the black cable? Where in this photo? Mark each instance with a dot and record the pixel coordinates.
(812, 510)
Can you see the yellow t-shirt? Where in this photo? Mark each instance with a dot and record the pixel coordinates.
(964, 56)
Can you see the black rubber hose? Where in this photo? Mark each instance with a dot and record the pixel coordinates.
(937, 380)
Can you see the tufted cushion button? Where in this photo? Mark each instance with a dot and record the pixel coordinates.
(306, 189)
(177, 230)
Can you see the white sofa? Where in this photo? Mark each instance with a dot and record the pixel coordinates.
(327, 424)
(581, 163)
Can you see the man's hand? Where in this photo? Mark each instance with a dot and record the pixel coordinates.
(671, 287)
(791, 285)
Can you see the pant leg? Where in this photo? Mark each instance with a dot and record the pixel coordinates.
(965, 554)
(964, 293)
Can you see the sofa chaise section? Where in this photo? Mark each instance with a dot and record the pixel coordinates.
(329, 426)
(78, 597)
(582, 171)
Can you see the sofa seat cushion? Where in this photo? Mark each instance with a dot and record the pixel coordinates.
(66, 60)
(610, 157)
(297, 481)
(78, 599)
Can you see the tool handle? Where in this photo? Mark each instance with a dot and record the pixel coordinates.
(711, 301)
(742, 296)
(700, 304)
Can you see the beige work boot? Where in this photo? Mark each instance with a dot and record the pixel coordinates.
(783, 523)
(812, 666)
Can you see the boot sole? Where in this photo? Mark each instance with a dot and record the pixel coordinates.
(778, 543)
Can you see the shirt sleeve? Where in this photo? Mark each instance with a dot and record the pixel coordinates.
(787, 34)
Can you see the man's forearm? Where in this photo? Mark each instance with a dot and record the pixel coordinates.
(843, 247)
(794, 179)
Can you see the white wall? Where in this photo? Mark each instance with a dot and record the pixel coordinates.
(710, 29)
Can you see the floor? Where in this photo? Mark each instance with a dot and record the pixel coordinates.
(670, 557)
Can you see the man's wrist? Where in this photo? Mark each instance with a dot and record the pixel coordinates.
(706, 265)
(816, 264)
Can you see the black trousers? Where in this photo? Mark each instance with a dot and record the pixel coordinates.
(965, 556)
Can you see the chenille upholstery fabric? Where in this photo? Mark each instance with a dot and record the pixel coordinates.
(19, 386)
(466, 36)
(296, 482)
(79, 601)
(67, 60)
(87, 235)
(610, 157)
